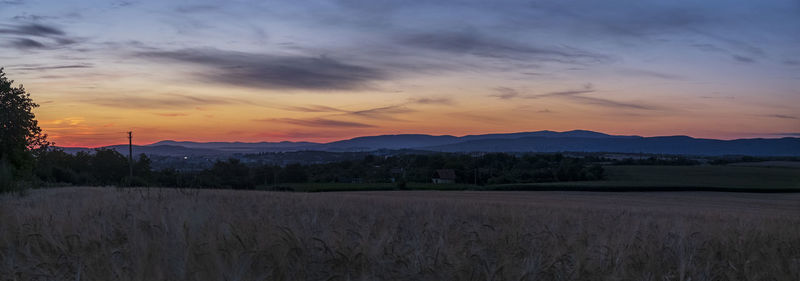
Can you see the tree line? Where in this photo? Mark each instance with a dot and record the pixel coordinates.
(109, 167)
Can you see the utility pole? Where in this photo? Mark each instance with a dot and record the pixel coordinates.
(130, 153)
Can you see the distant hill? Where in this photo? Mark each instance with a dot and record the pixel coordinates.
(239, 147)
(164, 150)
(657, 145)
(539, 141)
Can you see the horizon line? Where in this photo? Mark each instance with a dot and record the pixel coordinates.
(777, 136)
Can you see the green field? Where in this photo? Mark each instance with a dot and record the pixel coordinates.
(620, 178)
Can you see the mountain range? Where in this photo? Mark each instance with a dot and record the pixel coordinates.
(539, 141)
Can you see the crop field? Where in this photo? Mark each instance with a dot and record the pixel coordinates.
(169, 234)
(780, 177)
(680, 178)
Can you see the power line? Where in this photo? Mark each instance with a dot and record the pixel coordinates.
(130, 153)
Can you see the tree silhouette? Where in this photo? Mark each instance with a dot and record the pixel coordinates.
(20, 135)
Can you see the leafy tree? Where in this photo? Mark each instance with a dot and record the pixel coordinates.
(109, 166)
(20, 135)
(142, 167)
(232, 174)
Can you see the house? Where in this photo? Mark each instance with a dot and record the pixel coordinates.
(397, 173)
(443, 176)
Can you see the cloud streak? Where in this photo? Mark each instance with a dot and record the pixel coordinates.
(476, 44)
(505, 93)
(580, 97)
(162, 101)
(35, 36)
(273, 71)
(318, 122)
(38, 67)
(781, 116)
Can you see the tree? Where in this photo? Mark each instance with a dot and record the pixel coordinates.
(20, 135)
(109, 166)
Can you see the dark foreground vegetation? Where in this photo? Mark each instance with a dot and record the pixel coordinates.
(182, 234)
(108, 167)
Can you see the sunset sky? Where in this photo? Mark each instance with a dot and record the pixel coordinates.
(329, 70)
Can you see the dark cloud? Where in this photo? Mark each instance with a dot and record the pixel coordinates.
(707, 47)
(717, 96)
(121, 4)
(567, 93)
(734, 43)
(505, 93)
(33, 29)
(172, 114)
(37, 67)
(382, 113)
(36, 36)
(25, 43)
(443, 101)
(781, 116)
(791, 62)
(474, 43)
(580, 97)
(29, 17)
(650, 74)
(318, 122)
(785, 134)
(743, 59)
(162, 101)
(612, 103)
(313, 108)
(197, 8)
(271, 71)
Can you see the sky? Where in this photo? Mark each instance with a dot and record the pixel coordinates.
(329, 70)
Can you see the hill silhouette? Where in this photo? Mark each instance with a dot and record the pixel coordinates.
(538, 141)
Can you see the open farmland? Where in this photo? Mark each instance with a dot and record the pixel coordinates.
(680, 178)
(168, 234)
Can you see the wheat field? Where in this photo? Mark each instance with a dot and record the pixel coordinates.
(168, 234)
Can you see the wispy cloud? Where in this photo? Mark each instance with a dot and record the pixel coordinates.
(383, 113)
(744, 59)
(162, 101)
(33, 29)
(579, 96)
(318, 122)
(441, 101)
(35, 36)
(505, 93)
(781, 116)
(788, 134)
(313, 108)
(172, 114)
(39, 67)
(649, 74)
(477, 44)
(25, 43)
(272, 71)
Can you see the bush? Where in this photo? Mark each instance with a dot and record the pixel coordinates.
(7, 183)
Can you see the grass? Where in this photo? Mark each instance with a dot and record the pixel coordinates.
(680, 178)
(329, 187)
(707, 176)
(620, 178)
(167, 234)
